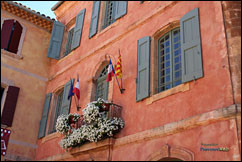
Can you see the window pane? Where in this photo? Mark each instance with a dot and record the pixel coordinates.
(169, 60)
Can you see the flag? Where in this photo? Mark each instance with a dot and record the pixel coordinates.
(111, 71)
(76, 90)
(70, 91)
(118, 69)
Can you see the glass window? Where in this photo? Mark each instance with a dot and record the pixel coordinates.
(109, 14)
(169, 54)
(56, 111)
(102, 84)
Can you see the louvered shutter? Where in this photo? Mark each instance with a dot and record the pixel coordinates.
(6, 33)
(10, 106)
(65, 106)
(44, 117)
(78, 29)
(191, 55)
(56, 40)
(16, 35)
(94, 19)
(143, 69)
(120, 9)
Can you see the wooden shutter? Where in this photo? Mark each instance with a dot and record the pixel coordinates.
(44, 117)
(94, 19)
(16, 35)
(78, 29)
(191, 55)
(56, 40)
(68, 43)
(143, 69)
(6, 33)
(120, 9)
(65, 106)
(10, 106)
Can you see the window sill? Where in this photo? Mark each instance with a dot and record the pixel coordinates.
(50, 137)
(7, 53)
(181, 88)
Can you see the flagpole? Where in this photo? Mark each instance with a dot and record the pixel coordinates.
(121, 77)
(121, 90)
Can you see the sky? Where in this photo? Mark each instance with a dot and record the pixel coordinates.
(44, 7)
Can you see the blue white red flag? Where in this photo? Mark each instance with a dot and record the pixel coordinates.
(111, 71)
(76, 89)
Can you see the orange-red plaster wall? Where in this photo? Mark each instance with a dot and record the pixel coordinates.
(211, 92)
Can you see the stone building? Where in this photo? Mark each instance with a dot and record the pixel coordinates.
(181, 71)
(25, 38)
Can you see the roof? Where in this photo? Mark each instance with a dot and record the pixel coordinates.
(28, 14)
(57, 5)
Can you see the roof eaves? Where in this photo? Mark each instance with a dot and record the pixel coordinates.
(58, 4)
(30, 11)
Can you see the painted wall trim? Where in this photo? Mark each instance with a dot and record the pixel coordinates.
(25, 72)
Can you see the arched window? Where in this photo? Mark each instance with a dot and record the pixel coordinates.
(169, 56)
(10, 35)
(102, 84)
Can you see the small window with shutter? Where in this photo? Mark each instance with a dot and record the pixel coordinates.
(10, 35)
(110, 11)
(57, 104)
(69, 41)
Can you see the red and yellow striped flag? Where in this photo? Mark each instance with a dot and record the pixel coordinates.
(118, 69)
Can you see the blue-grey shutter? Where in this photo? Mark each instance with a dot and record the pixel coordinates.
(44, 117)
(94, 19)
(65, 106)
(78, 29)
(120, 9)
(191, 55)
(56, 40)
(143, 69)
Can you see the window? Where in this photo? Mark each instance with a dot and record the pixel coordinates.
(179, 56)
(58, 104)
(69, 41)
(56, 110)
(10, 35)
(109, 13)
(102, 84)
(169, 56)
(9, 98)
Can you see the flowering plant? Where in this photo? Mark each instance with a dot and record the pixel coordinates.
(96, 125)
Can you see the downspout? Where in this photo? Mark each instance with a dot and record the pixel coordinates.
(230, 72)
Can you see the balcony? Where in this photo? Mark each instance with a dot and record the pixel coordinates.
(94, 129)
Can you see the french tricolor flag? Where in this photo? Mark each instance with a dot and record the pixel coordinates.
(111, 71)
(76, 90)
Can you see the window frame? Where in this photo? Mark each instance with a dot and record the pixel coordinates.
(17, 55)
(101, 79)
(53, 108)
(171, 83)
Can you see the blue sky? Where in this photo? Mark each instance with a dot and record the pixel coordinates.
(44, 7)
